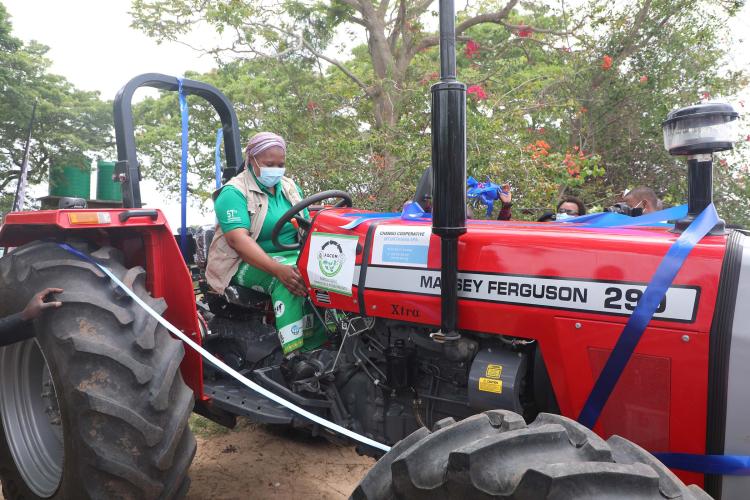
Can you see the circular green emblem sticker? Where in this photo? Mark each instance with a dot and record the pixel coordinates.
(331, 258)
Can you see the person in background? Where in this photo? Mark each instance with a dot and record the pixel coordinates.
(570, 206)
(642, 197)
(567, 207)
(15, 328)
(505, 200)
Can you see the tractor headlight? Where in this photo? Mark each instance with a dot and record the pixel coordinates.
(701, 129)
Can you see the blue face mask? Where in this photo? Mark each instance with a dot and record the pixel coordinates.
(270, 176)
(563, 216)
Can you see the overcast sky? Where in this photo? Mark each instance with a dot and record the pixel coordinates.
(91, 43)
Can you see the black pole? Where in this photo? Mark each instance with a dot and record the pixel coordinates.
(22, 176)
(448, 168)
(447, 40)
(700, 191)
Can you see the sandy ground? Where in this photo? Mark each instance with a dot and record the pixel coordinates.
(254, 461)
(257, 462)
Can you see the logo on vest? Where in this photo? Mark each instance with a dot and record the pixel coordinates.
(279, 308)
(331, 258)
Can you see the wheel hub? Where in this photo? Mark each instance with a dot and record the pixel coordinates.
(31, 417)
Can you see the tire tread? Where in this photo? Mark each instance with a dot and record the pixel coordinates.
(131, 429)
(495, 455)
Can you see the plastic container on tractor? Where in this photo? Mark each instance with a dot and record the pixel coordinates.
(106, 187)
(70, 180)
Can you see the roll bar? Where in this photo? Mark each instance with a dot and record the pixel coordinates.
(127, 169)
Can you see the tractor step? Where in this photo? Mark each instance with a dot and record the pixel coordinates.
(235, 398)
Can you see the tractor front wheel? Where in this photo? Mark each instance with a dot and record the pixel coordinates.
(95, 406)
(495, 455)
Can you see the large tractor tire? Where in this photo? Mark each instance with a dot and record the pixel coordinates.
(496, 455)
(96, 406)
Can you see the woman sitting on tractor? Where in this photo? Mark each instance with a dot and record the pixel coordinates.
(242, 253)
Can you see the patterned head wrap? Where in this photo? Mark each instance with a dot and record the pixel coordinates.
(262, 141)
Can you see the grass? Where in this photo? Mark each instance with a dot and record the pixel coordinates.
(205, 428)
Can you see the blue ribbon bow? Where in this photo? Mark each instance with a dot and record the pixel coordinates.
(486, 192)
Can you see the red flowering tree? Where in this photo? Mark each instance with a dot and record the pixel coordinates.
(395, 37)
(525, 31)
(472, 49)
(600, 78)
(477, 92)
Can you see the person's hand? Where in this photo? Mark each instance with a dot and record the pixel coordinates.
(505, 193)
(37, 304)
(291, 279)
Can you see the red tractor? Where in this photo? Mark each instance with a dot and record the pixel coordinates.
(430, 321)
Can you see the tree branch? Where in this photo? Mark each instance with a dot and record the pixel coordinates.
(352, 3)
(357, 20)
(336, 63)
(398, 26)
(518, 27)
(10, 175)
(304, 44)
(383, 8)
(491, 17)
(630, 46)
(421, 7)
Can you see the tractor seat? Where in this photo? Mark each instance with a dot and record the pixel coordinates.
(245, 297)
(203, 237)
(423, 195)
(234, 294)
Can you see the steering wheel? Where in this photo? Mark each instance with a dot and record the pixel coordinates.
(294, 213)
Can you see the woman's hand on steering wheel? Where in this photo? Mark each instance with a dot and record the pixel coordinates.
(294, 214)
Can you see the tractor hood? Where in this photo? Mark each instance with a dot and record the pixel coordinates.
(572, 290)
(511, 269)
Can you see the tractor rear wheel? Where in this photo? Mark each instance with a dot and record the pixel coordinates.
(95, 407)
(496, 455)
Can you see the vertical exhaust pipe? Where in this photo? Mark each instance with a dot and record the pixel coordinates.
(448, 169)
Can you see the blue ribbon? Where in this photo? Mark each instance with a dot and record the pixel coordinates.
(636, 325)
(217, 156)
(610, 219)
(730, 465)
(183, 169)
(365, 217)
(644, 311)
(412, 211)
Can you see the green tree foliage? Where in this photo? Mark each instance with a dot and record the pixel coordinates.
(558, 102)
(72, 126)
